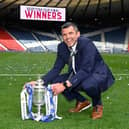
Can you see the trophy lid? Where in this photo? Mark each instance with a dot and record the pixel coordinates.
(39, 83)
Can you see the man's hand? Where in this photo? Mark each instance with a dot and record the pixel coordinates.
(57, 88)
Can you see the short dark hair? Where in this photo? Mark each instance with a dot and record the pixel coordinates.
(68, 24)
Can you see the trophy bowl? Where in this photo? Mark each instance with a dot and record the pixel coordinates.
(38, 95)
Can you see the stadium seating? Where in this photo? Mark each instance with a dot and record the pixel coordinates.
(95, 37)
(3, 48)
(85, 30)
(49, 42)
(27, 39)
(8, 42)
(116, 36)
(111, 40)
(43, 37)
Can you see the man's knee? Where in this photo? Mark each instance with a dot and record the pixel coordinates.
(91, 91)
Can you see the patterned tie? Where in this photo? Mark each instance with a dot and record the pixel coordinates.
(72, 59)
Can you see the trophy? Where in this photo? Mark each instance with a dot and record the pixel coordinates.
(38, 95)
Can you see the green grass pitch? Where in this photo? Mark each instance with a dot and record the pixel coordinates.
(18, 68)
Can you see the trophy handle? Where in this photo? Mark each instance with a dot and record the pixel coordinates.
(23, 97)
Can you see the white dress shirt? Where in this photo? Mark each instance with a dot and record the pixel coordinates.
(73, 57)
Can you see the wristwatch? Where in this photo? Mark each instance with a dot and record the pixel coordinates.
(65, 85)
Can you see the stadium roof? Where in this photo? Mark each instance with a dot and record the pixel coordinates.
(87, 11)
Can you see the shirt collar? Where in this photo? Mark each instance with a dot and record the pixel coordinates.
(74, 46)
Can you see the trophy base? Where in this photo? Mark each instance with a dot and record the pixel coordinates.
(37, 117)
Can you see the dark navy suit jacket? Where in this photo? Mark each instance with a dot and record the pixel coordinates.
(88, 63)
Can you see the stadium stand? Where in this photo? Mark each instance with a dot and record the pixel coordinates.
(49, 42)
(43, 37)
(85, 30)
(116, 36)
(95, 37)
(27, 39)
(8, 42)
(2, 48)
(115, 39)
(109, 40)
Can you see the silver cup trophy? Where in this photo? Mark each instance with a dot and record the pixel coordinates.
(39, 96)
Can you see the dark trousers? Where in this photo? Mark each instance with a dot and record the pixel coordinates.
(89, 86)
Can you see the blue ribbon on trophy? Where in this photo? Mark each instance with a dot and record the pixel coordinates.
(49, 100)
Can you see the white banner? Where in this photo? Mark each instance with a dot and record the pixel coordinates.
(42, 13)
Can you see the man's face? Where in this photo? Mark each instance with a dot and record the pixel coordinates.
(70, 35)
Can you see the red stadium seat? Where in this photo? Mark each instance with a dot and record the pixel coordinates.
(9, 42)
